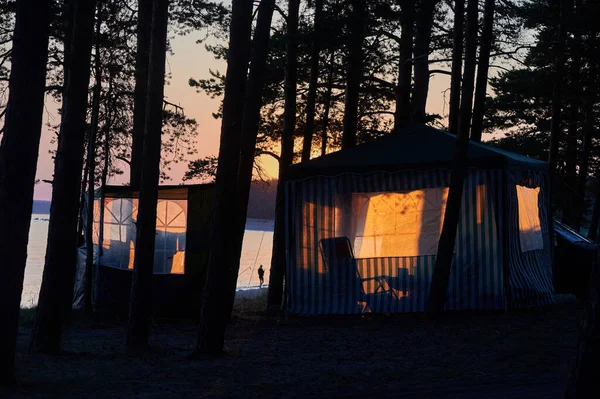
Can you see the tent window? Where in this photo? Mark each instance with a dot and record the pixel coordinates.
(396, 224)
(119, 235)
(530, 231)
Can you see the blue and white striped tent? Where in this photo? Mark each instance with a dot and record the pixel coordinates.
(387, 199)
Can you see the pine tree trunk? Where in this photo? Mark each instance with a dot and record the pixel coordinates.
(250, 126)
(588, 132)
(571, 204)
(403, 111)
(211, 332)
(91, 167)
(140, 304)
(487, 38)
(443, 262)
(68, 10)
(278, 261)
(142, 58)
(595, 220)
(583, 381)
(422, 50)
(56, 294)
(456, 73)
(557, 91)
(18, 164)
(84, 183)
(311, 101)
(354, 72)
(327, 105)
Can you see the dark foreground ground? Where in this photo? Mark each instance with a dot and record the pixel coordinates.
(525, 354)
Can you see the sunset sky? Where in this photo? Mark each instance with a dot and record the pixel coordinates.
(192, 60)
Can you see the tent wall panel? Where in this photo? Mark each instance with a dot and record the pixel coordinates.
(529, 272)
(390, 284)
(179, 269)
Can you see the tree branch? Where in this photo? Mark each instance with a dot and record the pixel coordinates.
(264, 152)
(439, 71)
(120, 158)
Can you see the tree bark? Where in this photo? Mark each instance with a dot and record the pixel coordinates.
(18, 164)
(91, 166)
(571, 204)
(142, 58)
(595, 220)
(422, 50)
(583, 381)
(588, 130)
(327, 105)
(211, 334)
(68, 7)
(557, 91)
(250, 126)
(56, 294)
(443, 262)
(311, 100)
(403, 111)
(456, 73)
(278, 261)
(140, 304)
(487, 38)
(354, 72)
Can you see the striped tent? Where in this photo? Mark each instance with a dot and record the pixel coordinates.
(362, 227)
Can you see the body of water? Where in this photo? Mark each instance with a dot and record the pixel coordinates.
(256, 251)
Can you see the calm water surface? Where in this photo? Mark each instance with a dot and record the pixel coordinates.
(258, 244)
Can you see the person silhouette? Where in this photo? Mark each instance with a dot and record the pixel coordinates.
(261, 276)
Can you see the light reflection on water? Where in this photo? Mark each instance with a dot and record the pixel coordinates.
(256, 250)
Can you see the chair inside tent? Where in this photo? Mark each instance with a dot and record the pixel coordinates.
(180, 254)
(363, 226)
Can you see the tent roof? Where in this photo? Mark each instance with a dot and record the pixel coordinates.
(171, 192)
(415, 147)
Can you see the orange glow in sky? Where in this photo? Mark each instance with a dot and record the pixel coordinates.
(192, 60)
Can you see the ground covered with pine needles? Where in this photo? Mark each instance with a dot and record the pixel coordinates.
(368, 356)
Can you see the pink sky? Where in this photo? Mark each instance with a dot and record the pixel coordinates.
(192, 60)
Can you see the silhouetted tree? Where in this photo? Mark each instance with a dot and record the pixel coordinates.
(456, 73)
(56, 293)
(424, 26)
(591, 97)
(18, 164)
(357, 22)
(309, 125)
(91, 166)
(277, 272)
(443, 261)
(403, 91)
(140, 304)
(557, 91)
(250, 126)
(482, 70)
(573, 118)
(583, 380)
(211, 332)
(144, 28)
(327, 104)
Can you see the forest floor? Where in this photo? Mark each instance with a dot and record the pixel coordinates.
(518, 354)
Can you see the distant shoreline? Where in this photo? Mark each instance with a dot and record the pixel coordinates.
(251, 224)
